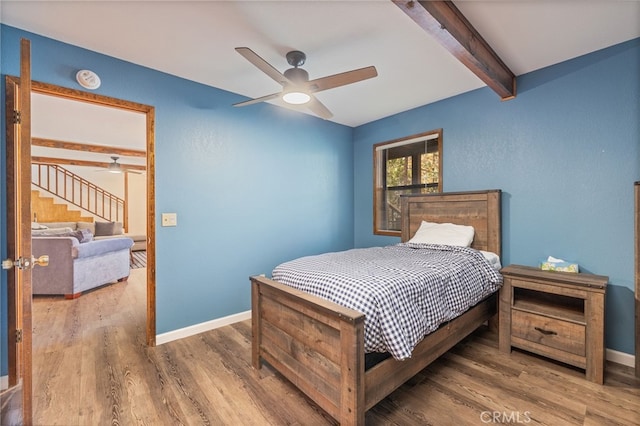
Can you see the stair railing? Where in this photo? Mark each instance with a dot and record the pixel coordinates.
(78, 191)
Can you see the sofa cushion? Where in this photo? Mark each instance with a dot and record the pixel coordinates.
(108, 228)
(84, 235)
(52, 232)
(91, 226)
(118, 228)
(98, 247)
(75, 234)
(50, 225)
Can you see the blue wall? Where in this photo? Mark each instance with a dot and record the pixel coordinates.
(565, 153)
(252, 186)
(258, 185)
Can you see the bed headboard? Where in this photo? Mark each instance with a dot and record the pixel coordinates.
(480, 209)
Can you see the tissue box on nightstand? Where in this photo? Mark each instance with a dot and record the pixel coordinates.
(559, 265)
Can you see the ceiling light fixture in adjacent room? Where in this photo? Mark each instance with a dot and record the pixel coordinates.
(115, 166)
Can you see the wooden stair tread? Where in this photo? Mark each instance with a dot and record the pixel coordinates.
(46, 209)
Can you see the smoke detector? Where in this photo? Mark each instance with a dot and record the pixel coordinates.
(88, 79)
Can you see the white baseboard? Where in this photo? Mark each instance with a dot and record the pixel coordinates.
(620, 358)
(4, 382)
(202, 327)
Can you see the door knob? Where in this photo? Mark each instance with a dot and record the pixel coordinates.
(40, 261)
(23, 263)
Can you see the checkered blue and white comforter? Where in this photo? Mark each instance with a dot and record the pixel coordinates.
(405, 290)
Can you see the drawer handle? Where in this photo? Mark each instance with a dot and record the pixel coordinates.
(546, 332)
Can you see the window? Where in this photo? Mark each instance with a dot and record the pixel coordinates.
(411, 165)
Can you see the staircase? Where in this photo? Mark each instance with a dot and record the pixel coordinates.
(45, 209)
(73, 190)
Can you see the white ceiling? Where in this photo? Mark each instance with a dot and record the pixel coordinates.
(67, 120)
(196, 40)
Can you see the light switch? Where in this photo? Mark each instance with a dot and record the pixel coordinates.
(169, 219)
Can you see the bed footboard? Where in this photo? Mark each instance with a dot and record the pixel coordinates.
(316, 344)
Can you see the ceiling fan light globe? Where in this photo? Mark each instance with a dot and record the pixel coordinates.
(296, 98)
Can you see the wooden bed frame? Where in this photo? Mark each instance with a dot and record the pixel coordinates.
(319, 345)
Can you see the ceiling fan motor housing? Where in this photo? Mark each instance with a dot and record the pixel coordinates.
(297, 75)
(296, 58)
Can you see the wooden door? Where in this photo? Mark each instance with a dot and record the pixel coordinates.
(637, 274)
(16, 400)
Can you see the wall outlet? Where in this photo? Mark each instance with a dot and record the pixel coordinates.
(169, 219)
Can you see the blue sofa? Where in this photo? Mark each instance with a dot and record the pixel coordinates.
(139, 240)
(75, 267)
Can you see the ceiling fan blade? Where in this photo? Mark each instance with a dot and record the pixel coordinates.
(257, 100)
(318, 108)
(263, 65)
(341, 79)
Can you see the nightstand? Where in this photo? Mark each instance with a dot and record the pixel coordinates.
(559, 315)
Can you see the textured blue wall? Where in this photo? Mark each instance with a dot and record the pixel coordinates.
(565, 153)
(258, 185)
(252, 186)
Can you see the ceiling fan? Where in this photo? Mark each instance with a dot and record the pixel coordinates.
(116, 167)
(297, 89)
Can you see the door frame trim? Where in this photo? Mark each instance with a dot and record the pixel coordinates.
(149, 111)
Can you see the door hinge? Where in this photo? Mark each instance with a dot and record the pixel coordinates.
(17, 117)
(19, 335)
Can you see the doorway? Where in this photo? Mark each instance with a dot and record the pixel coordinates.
(91, 99)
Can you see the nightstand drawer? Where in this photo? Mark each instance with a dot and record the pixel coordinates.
(563, 335)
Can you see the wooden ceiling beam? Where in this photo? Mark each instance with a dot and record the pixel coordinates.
(85, 163)
(443, 21)
(101, 149)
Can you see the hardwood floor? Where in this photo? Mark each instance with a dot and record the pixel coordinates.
(91, 367)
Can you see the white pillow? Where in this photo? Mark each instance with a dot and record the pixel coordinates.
(443, 233)
(494, 259)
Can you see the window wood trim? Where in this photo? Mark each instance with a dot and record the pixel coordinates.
(378, 179)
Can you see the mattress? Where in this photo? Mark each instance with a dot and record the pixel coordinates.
(405, 290)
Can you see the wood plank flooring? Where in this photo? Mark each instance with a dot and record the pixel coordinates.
(91, 367)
